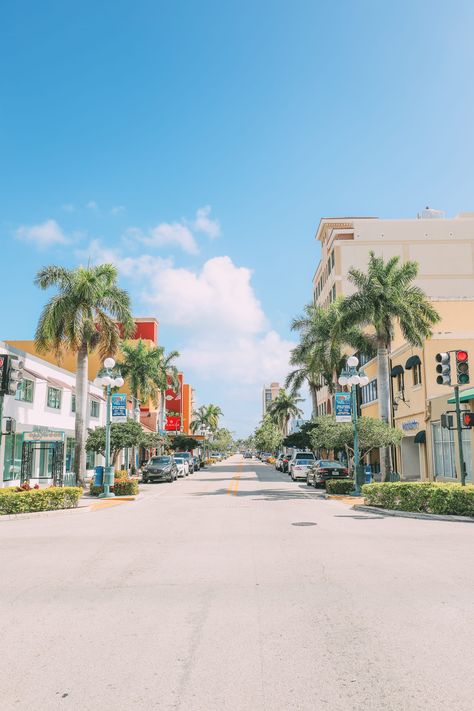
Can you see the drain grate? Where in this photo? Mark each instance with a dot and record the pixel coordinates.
(304, 523)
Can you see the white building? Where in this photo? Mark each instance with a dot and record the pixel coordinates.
(42, 447)
(269, 394)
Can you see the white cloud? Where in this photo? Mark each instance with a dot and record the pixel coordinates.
(117, 210)
(218, 298)
(134, 267)
(92, 205)
(166, 234)
(203, 223)
(44, 235)
(68, 207)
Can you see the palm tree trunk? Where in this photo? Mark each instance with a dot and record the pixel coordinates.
(314, 400)
(133, 468)
(384, 404)
(81, 414)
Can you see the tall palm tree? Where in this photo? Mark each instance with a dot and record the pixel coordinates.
(282, 408)
(386, 296)
(214, 413)
(82, 317)
(206, 417)
(321, 353)
(200, 421)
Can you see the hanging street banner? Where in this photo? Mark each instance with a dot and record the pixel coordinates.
(343, 407)
(119, 407)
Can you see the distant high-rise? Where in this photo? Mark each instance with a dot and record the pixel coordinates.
(269, 394)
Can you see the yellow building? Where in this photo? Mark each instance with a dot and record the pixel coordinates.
(444, 250)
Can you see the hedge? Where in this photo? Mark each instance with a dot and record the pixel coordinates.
(421, 497)
(50, 499)
(339, 486)
(128, 487)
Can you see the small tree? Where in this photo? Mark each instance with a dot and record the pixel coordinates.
(268, 436)
(183, 443)
(301, 439)
(373, 433)
(122, 435)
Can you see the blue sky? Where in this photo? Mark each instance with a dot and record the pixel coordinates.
(197, 145)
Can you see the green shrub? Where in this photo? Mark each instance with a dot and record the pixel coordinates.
(50, 499)
(421, 497)
(127, 487)
(339, 486)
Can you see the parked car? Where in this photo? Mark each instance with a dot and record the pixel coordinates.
(297, 457)
(189, 458)
(285, 460)
(197, 463)
(160, 468)
(324, 469)
(279, 462)
(248, 455)
(300, 466)
(183, 466)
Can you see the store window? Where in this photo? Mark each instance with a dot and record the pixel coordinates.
(95, 408)
(90, 460)
(25, 390)
(369, 392)
(467, 452)
(443, 451)
(416, 370)
(12, 457)
(54, 398)
(70, 444)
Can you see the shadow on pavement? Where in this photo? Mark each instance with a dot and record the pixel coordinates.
(264, 494)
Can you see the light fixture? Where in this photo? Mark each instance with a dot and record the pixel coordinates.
(119, 381)
(354, 379)
(364, 380)
(107, 380)
(352, 361)
(109, 363)
(343, 380)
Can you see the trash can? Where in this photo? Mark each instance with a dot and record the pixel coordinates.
(360, 475)
(368, 474)
(99, 476)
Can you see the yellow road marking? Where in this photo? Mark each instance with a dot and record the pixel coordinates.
(234, 484)
(105, 504)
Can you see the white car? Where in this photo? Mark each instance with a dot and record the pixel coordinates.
(299, 465)
(183, 466)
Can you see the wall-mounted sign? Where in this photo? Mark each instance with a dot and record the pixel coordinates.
(43, 436)
(119, 407)
(343, 407)
(173, 424)
(410, 425)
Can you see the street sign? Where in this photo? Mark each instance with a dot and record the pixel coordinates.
(119, 407)
(43, 436)
(343, 407)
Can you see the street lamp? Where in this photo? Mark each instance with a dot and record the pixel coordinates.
(109, 380)
(352, 377)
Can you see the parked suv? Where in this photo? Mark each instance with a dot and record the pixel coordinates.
(189, 458)
(297, 461)
(160, 468)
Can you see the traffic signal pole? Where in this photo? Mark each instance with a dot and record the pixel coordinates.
(462, 465)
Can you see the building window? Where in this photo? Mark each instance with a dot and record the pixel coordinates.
(443, 451)
(54, 398)
(12, 458)
(95, 408)
(90, 459)
(400, 382)
(70, 444)
(417, 374)
(369, 392)
(25, 391)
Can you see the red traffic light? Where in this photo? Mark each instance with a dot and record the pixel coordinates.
(461, 356)
(468, 419)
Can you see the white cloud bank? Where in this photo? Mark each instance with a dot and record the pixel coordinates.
(47, 234)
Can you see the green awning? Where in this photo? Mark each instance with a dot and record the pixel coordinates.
(420, 437)
(396, 370)
(412, 361)
(464, 396)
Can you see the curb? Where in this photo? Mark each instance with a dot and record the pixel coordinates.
(39, 514)
(411, 514)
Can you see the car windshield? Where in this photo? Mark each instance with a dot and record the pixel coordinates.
(305, 461)
(306, 455)
(327, 463)
(183, 455)
(178, 460)
(160, 460)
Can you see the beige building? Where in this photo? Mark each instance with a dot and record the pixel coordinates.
(269, 394)
(444, 250)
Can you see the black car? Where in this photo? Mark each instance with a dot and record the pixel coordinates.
(197, 463)
(323, 470)
(160, 468)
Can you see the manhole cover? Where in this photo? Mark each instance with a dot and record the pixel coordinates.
(304, 523)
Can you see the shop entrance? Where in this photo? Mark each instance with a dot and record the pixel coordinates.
(411, 470)
(51, 461)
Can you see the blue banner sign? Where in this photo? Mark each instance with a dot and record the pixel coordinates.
(119, 407)
(343, 407)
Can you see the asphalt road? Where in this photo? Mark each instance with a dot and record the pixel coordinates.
(208, 594)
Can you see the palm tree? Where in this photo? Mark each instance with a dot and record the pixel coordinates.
(82, 317)
(321, 352)
(206, 417)
(386, 296)
(167, 380)
(284, 407)
(200, 422)
(213, 414)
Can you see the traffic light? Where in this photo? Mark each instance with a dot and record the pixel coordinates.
(12, 373)
(462, 367)
(443, 368)
(468, 419)
(447, 421)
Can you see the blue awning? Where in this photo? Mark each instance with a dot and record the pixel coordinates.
(396, 370)
(420, 437)
(412, 361)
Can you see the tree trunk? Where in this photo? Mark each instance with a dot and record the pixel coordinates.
(314, 400)
(383, 393)
(133, 468)
(81, 414)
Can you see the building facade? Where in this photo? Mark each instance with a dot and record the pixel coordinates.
(269, 394)
(444, 250)
(41, 449)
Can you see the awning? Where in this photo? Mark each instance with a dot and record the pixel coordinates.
(464, 396)
(412, 361)
(396, 370)
(420, 437)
